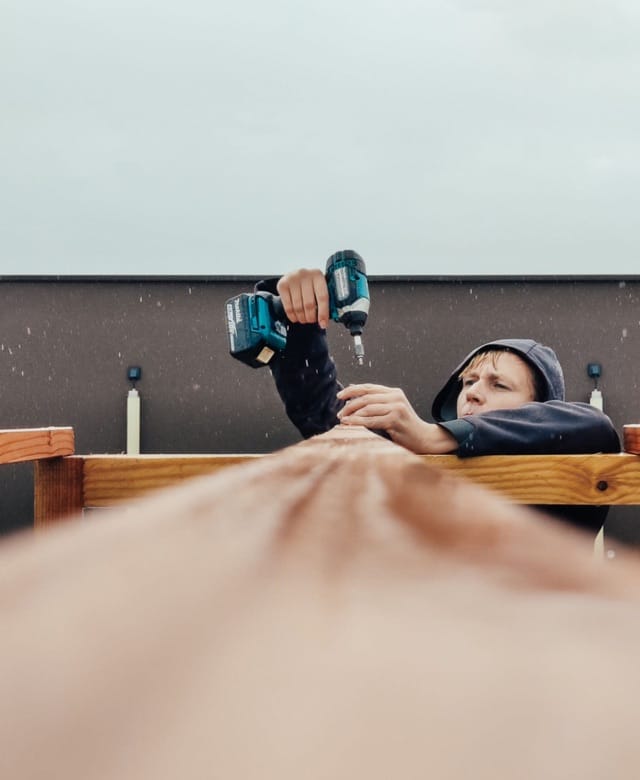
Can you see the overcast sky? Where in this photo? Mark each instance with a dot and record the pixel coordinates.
(213, 137)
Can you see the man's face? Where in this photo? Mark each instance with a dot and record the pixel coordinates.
(505, 382)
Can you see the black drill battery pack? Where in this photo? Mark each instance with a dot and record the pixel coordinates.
(256, 328)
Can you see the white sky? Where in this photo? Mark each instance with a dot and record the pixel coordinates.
(251, 136)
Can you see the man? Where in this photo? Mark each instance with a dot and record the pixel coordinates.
(505, 397)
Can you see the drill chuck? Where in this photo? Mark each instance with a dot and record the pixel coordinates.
(358, 348)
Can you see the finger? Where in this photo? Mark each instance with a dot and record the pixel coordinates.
(380, 421)
(355, 391)
(297, 305)
(366, 408)
(362, 404)
(286, 288)
(352, 407)
(298, 291)
(308, 301)
(287, 304)
(321, 295)
(380, 412)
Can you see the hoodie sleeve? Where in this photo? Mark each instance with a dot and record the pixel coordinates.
(305, 377)
(552, 427)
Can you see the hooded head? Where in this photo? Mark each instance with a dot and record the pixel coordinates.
(541, 359)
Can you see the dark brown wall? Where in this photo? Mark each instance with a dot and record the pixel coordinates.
(65, 347)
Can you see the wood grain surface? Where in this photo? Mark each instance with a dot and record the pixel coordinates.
(109, 479)
(553, 479)
(631, 438)
(336, 610)
(23, 444)
(527, 479)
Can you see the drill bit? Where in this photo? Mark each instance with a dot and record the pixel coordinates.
(358, 348)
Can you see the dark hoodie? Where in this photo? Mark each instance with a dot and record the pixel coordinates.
(305, 377)
(546, 426)
(549, 425)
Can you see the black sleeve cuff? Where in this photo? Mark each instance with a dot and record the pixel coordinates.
(462, 431)
(268, 285)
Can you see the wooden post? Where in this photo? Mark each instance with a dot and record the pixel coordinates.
(57, 489)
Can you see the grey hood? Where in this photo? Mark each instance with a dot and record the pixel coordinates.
(542, 359)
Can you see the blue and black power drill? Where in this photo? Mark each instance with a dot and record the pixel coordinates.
(257, 324)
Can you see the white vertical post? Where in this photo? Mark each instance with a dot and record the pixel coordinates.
(596, 399)
(133, 422)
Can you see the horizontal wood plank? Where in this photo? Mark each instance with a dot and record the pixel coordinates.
(25, 444)
(553, 479)
(111, 479)
(526, 479)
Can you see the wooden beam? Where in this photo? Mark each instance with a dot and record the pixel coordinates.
(337, 610)
(106, 480)
(526, 479)
(600, 479)
(24, 444)
(111, 479)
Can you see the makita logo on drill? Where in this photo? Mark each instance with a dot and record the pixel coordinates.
(238, 310)
(231, 326)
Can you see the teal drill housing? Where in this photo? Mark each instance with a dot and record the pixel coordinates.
(257, 324)
(349, 295)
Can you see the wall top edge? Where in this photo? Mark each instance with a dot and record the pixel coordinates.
(463, 279)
